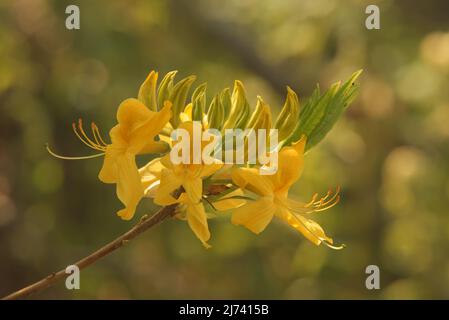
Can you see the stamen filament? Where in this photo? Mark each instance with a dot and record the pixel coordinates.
(93, 144)
(321, 202)
(82, 139)
(97, 135)
(72, 158)
(312, 201)
(337, 200)
(342, 246)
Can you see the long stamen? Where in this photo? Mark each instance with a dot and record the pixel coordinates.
(312, 201)
(314, 206)
(82, 139)
(93, 144)
(97, 135)
(325, 206)
(298, 207)
(72, 158)
(329, 245)
(329, 192)
(321, 201)
(335, 198)
(97, 141)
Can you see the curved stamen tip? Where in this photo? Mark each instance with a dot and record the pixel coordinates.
(330, 245)
(98, 144)
(71, 158)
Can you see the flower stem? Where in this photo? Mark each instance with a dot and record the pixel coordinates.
(144, 224)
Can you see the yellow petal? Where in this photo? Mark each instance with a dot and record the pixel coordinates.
(151, 172)
(249, 178)
(143, 133)
(226, 203)
(197, 220)
(117, 134)
(109, 171)
(290, 166)
(129, 187)
(255, 215)
(155, 147)
(210, 169)
(169, 183)
(224, 173)
(131, 112)
(193, 188)
(309, 228)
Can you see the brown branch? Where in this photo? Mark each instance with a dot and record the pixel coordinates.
(51, 279)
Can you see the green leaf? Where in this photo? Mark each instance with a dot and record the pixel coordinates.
(215, 114)
(288, 118)
(339, 102)
(256, 113)
(197, 107)
(321, 111)
(165, 88)
(240, 110)
(178, 97)
(147, 91)
(225, 101)
(200, 89)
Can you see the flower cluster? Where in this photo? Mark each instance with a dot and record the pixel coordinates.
(203, 190)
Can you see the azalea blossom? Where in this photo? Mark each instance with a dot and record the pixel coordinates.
(202, 189)
(273, 197)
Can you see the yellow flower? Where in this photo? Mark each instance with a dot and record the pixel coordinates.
(134, 134)
(189, 177)
(196, 217)
(274, 201)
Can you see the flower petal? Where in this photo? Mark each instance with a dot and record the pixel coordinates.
(249, 178)
(109, 170)
(129, 186)
(169, 183)
(228, 203)
(197, 220)
(193, 188)
(144, 132)
(210, 169)
(151, 172)
(255, 215)
(290, 166)
(132, 112)
(155, 147)
(309, 228)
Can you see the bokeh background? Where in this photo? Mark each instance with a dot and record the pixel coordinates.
(389, 153)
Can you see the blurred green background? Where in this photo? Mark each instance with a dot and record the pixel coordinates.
(389, 153)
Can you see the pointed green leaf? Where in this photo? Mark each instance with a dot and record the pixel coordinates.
(215, 115)
(197, 107)
(147, 91)
(288, 118)
(178, 98)
(225, 101)
(165, 88)
(240, 111)
(321, 112)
